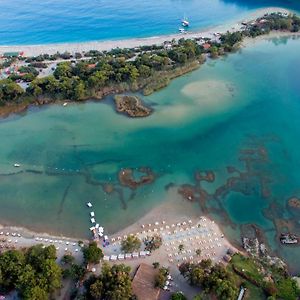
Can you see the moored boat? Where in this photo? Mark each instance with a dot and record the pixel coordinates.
(287, 238)
(185, 22)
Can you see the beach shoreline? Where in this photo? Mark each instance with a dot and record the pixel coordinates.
(106, 45)
(169, 211)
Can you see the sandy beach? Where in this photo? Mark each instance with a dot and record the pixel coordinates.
(175, 220)
(178, 222)
(34, 50)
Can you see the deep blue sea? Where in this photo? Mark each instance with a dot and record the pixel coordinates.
(54, 21)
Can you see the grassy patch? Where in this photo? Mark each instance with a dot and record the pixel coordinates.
(247, 266)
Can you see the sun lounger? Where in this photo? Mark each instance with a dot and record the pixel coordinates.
(121, 257)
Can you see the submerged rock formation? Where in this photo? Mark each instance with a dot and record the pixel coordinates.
(126, 178)
(131, 105)
(294, 202)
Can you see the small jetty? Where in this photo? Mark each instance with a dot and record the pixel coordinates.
(96, 229)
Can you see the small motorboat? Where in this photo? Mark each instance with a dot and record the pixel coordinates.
(89, 204)
(181, 30)
(65, 104)
(17, 165)
(185, 22)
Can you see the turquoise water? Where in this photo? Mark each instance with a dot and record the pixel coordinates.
(53, 21)
(202, 121)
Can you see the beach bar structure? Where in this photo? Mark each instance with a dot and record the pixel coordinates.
(143, 283)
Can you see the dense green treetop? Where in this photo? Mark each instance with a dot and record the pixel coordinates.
(130, 244)
(34, 272)
(92, 253)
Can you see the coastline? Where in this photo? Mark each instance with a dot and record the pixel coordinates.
(170, 211)
(34, 50)
(271, 35)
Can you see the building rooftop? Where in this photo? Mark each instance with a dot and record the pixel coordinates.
(143, 283)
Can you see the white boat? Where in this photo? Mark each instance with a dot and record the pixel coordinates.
(185, 22)
(181, 30)
(92, 214)
(17, 165)
(93, 220)
(65, 104)
(89, 204)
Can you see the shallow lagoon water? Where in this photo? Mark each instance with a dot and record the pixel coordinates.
(69, 153)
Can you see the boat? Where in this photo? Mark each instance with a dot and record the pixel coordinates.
(65, 104)
(17, 165)
(181, 30)
(287, 238)
(89, 204)
(185, 22)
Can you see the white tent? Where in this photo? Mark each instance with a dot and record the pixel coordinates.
(142, 253)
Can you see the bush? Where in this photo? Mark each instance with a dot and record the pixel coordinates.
(178, 296)
(161, 278)
(153, 243)
(130, 244)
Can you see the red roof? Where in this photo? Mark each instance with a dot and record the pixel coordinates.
(206, 46)
(91, 66)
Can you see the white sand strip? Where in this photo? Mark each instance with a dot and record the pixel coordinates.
(34, 50)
